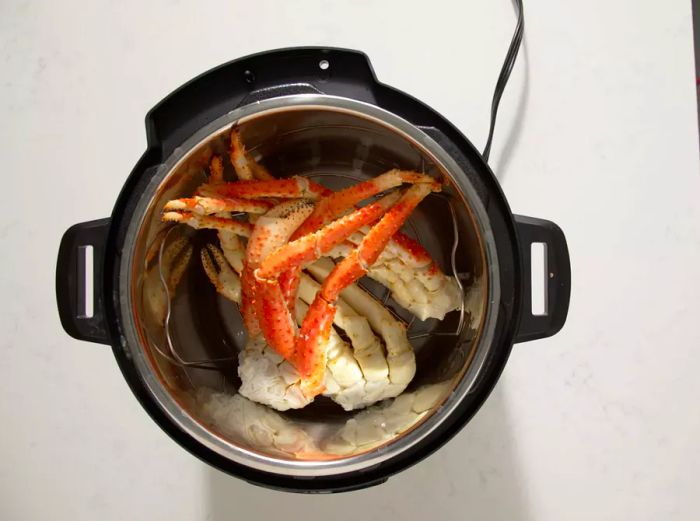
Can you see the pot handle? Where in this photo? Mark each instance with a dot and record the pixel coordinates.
(557, 275)
(72, 286)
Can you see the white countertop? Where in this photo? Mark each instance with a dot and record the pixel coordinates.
(598, 132)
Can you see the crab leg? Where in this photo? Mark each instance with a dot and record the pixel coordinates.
(216, 170)
(258, 362)
(336, 204)
(400, 357)
(243, 163)
(173, 262)
(291, 188)
(233, 248)
(315, 329)
(310, 247)
(358, 373)
(210, 205)
(406, 268)
(271, 231)
(416, 282)
(273, 311)
(209, 221)
(211, 212)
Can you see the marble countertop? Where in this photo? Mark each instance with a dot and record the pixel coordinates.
(598, 132)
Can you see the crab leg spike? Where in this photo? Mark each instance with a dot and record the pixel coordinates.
(310, 356)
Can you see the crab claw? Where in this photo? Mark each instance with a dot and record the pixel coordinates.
(173, 261)
(241, 228)
(211, 205)
(224, 279)
(338, 203)
(245, 166)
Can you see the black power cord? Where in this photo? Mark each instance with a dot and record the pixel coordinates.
(505, 74)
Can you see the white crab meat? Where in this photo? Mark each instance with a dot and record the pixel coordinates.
(382, 422)
(267, 378)
(400, 358)
(253, 424)
(416, 284)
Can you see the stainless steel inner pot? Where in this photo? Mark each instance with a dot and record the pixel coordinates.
(335, 141)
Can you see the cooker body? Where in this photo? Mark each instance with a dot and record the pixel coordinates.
(320, 113)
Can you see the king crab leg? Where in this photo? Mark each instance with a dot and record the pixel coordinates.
(243, 163)
(336, 204)
(315, 328)
(405, 267)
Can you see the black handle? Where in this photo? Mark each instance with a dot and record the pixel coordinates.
(558, 278)
(70, 281)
